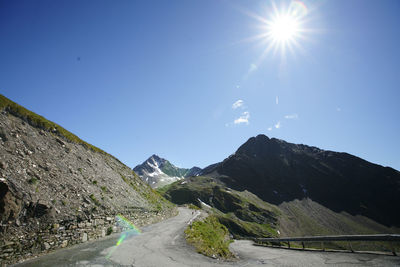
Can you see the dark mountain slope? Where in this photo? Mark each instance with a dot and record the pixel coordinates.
(277, 172)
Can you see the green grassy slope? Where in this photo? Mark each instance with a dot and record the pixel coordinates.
(243, 213)
(210, 238)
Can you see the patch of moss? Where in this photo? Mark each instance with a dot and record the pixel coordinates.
(124, 178)
(109, 231)
(33, 181)
(94, 199)
(210, 238)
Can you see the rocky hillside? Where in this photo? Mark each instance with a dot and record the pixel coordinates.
(158, 172)
(278, 172)
(57, 190)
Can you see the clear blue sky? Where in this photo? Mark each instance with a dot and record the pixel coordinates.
(141, 77)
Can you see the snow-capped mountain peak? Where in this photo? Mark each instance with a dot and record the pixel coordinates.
(158, 172)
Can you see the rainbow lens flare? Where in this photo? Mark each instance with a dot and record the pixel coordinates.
(123, 236)
(128, 230)
(127, 225)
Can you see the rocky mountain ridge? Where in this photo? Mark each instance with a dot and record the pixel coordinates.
(278, 171)
(158, 172)
(57, 190)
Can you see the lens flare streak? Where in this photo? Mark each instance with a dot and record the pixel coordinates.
(281, 29)
(128, 230)
(126, 224)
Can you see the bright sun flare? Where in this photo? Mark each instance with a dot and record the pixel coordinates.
(284, 28)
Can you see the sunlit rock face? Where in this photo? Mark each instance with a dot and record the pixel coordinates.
(158, 172)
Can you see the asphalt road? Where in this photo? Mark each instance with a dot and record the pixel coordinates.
(163, 244)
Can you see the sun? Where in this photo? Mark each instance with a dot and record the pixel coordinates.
(281, 28)
(284, 28)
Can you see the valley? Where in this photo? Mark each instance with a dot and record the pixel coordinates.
(58, 191)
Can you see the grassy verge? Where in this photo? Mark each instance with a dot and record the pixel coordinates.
(193, 207)
(244, 229)
(210, 238)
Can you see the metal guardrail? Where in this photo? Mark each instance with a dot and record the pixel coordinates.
(381, 237)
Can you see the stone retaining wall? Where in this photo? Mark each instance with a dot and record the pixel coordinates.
(22, 244)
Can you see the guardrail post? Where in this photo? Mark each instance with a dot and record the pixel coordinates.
(302, 243)
(351, 248)
(288, 243)
(393, 249)
(323, 246)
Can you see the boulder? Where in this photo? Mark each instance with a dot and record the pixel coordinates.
(10, 205)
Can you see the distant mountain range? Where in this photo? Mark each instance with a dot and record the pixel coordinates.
(158, 172)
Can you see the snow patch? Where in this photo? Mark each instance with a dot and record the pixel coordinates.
(202, 203)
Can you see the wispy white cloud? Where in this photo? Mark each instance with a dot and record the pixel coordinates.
(293, 116)
(269, 128)
(278, 125)
(237, 104)
(244, 118)
(253, 67)
(277, 100)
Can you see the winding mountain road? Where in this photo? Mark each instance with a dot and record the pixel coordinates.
(163, 244)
